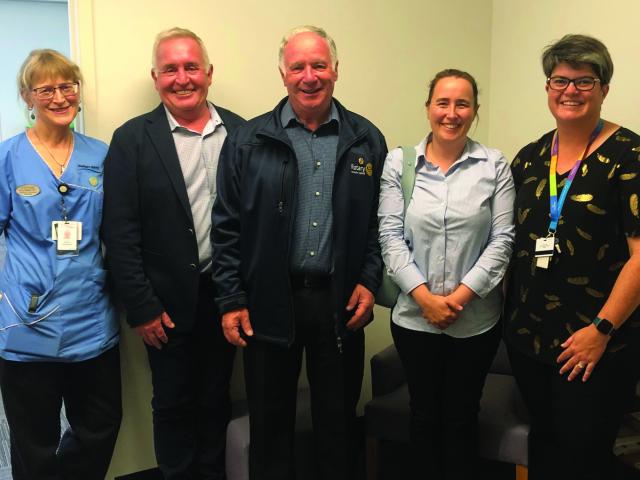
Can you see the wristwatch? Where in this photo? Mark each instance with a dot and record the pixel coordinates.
(604, 326)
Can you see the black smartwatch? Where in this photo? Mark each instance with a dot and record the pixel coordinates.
(604, 326)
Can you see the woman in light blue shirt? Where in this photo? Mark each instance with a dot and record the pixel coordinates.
(58, 328)
(448, 255)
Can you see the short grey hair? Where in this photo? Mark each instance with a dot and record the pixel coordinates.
(177, 32)
(308, 29)
(577, 50)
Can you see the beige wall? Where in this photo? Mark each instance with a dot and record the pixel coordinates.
(388, 51)
(521, 29)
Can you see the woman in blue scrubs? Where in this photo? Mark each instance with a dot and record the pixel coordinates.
(58, 329)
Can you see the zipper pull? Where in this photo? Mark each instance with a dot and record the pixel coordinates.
(280, 207)
(339, 343)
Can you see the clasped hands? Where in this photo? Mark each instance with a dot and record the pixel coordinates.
(439, 310)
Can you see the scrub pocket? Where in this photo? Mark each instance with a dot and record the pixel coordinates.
(26, 332)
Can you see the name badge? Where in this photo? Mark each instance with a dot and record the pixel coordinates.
(544, 251)
(66, 234)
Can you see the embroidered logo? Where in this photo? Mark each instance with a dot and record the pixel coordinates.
(359, 168)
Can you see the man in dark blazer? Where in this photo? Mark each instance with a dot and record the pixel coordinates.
(159, 188)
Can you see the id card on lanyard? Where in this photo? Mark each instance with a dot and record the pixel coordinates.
(545, 246)
(66, 233)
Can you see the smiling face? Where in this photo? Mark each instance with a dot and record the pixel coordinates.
(572, 105)
(309, 76)
(181, 77)
(55, 112)
(451, 110)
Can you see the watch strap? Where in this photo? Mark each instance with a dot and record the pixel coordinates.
(604, 326)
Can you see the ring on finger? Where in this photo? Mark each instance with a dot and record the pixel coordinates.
(580, 365)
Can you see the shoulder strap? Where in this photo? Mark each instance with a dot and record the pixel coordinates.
(408, 178)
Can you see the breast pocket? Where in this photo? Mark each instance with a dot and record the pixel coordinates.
(360, 175)
(90, 177)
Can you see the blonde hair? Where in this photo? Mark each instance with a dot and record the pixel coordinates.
(177, 32)
(45, 64)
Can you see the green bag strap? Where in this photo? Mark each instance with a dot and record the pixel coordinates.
(408, 178)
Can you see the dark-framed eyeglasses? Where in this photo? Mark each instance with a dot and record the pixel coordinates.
(66, 89)
(584, 84)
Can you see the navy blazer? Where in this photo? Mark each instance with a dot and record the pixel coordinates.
(147, 226)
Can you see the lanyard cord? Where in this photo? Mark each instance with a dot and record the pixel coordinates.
(555, 205)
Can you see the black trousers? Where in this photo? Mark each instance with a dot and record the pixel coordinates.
(574, 424)
(335, 379)
(445, 376)
(33, 393)
(191, 405)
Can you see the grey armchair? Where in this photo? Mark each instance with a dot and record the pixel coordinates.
(503, 425)
(238, 440)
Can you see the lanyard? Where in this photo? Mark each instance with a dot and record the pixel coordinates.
(555, 205)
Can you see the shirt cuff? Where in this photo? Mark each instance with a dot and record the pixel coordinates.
(409, 278)
(476, 281)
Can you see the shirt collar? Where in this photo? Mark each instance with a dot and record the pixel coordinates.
(287, 115)
(211, 125)
(472, 149)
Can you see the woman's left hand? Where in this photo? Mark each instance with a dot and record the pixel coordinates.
(582, 351)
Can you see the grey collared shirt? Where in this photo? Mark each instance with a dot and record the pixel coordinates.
(316, 159)
(458, 228)
(198, 154)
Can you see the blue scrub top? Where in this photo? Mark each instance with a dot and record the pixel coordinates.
(52, 307)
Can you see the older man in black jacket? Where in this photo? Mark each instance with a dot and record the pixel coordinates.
(296, 259)
(159, 187)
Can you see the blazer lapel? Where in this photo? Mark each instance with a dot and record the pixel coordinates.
(158, 129)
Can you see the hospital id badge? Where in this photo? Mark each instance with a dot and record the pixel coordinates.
(544, 251)
(66, 234)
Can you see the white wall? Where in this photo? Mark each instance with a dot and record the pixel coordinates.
(521, 29)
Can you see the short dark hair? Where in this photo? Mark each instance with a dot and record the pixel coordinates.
(453, 72)
(577, 50)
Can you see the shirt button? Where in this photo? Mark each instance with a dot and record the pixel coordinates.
(315, 224)
(312, 253)
(317, 194)
(318, 164)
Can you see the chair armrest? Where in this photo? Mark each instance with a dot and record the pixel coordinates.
(387, 373)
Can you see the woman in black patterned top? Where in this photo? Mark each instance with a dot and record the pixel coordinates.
(572, 318)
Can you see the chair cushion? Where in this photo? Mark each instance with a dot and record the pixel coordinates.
(502, 429)
(238, 439)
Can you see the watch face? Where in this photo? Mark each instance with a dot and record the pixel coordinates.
(605, 326)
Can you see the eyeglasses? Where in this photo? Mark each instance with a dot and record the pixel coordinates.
(68, 90)
(584, 84)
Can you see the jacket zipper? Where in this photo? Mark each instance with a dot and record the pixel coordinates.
(281, 202)
(339, 155)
